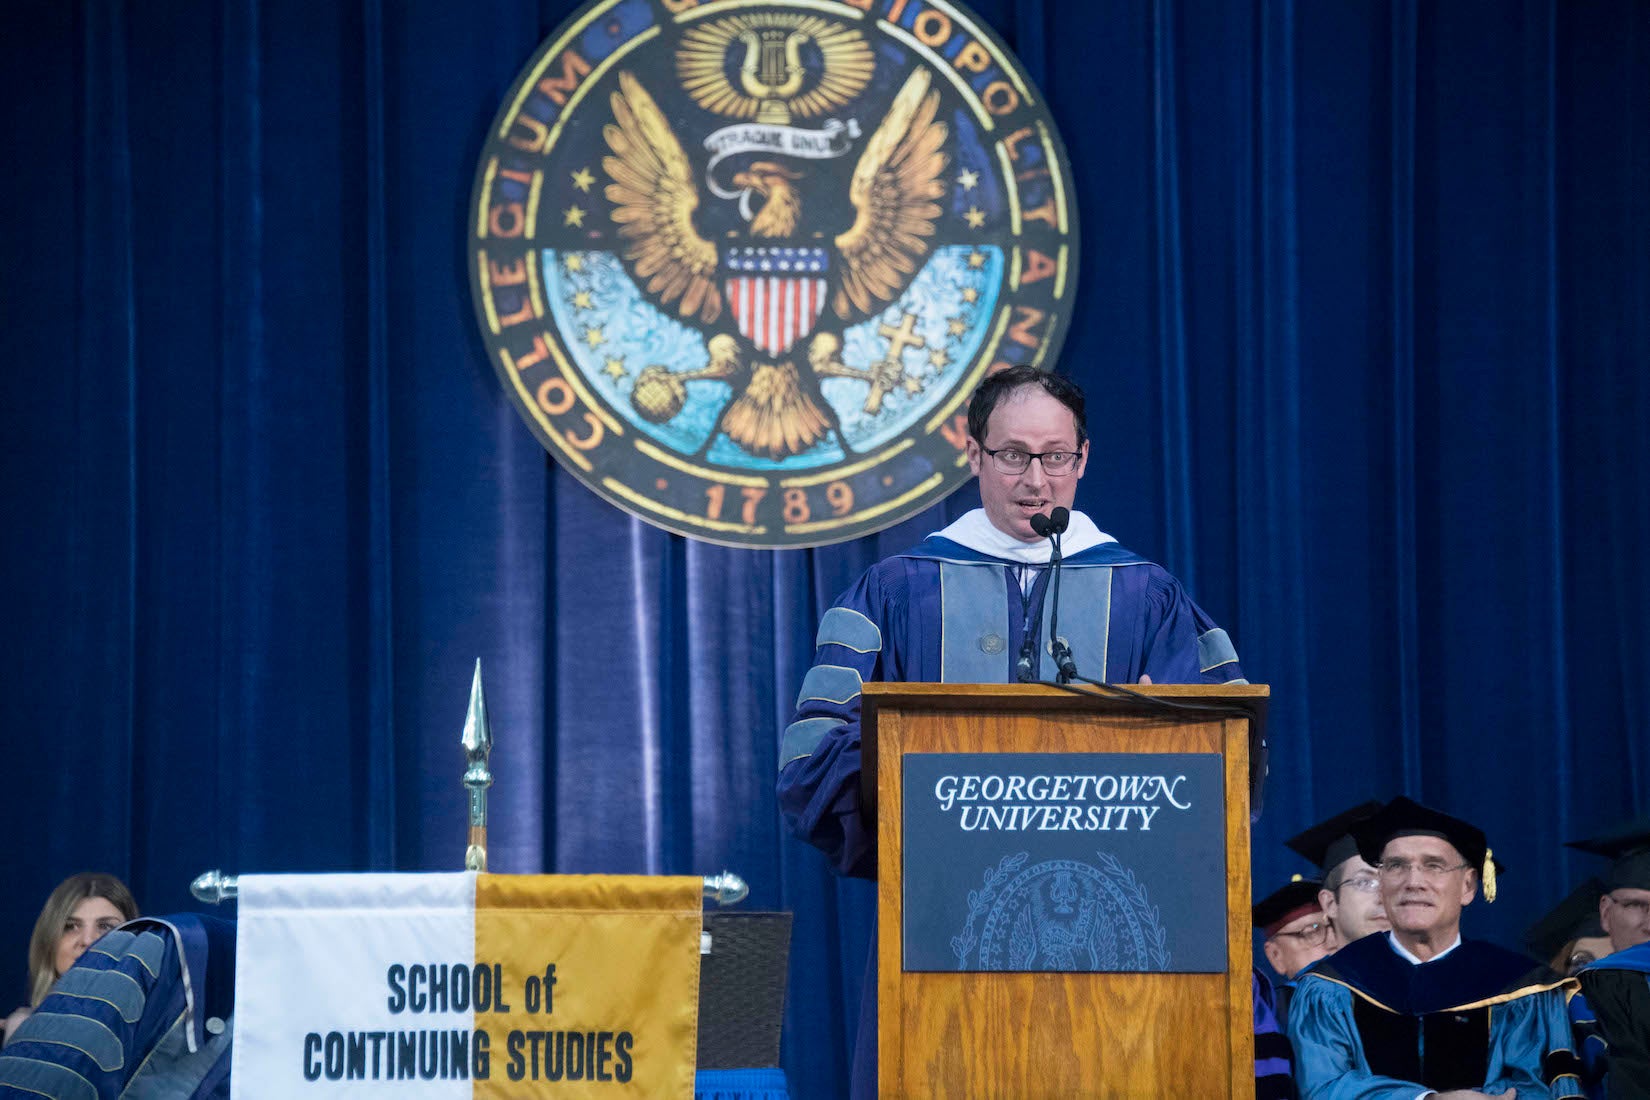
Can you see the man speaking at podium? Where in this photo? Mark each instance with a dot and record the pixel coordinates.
(970, 605)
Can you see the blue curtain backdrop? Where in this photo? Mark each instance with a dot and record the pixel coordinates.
(1363, 316)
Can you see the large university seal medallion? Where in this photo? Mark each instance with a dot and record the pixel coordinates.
(741, 264)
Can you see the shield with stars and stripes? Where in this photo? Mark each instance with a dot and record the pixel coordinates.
(776, 294)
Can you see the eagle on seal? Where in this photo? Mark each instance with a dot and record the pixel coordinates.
(779, 279)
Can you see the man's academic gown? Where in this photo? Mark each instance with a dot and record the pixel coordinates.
(1367, 1022)
(1617, 998)
(1274, 1060)
(944, 613)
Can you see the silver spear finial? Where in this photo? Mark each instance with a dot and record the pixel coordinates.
(478, 743)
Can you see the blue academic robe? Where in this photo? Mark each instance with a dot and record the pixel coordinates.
(1368, 1023)
(1274, 1058)
(945, 613)
(146, 1011)
(1611, 1016)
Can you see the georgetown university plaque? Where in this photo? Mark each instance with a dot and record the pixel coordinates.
(1064, 862)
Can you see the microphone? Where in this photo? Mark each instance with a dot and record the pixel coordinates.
(1028, 653)
(1054, 523)
(1052, 527)
(1046, 525)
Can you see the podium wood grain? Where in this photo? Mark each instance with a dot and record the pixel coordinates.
(1021, 1036)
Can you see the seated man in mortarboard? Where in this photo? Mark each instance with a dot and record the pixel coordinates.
(1297, 934)
(1351, 892)
(1570, 935)
(1616, 988)
(1624, 905)
(1419, 1011)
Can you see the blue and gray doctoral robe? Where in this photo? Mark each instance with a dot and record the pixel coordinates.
(1611, 1016)
(945, 613)
(144, 1012)
(1368, 1023)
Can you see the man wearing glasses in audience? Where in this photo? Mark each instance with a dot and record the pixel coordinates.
(1297, 933)
(1624, 903)
(1351, 891)
(1418, 1011)
(969, 605)
(1615, 1008)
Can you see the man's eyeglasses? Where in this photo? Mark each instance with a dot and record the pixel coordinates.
(1431, 869)
(1315, 934)
(1637, 908)
(1367, 884)
(1012, 460)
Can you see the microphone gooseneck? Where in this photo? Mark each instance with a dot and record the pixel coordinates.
(1054, 525)
(1050, 526)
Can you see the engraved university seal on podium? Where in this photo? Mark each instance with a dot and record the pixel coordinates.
(1063, 915)
(739, 266)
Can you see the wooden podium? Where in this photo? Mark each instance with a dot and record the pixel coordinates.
(1041, 1034)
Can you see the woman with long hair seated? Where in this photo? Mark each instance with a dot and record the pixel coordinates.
(78, 913)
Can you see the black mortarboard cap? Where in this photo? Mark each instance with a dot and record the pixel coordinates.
(1281, 906)
(1406, 817)
(1628, 846)
(1571, 919)
(1329, 843)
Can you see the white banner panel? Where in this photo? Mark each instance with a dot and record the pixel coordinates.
(381, 1008)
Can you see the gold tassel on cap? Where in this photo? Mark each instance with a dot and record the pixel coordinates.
(1489, 875)
(1294, 878)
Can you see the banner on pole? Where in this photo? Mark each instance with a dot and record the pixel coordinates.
(465, 984)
